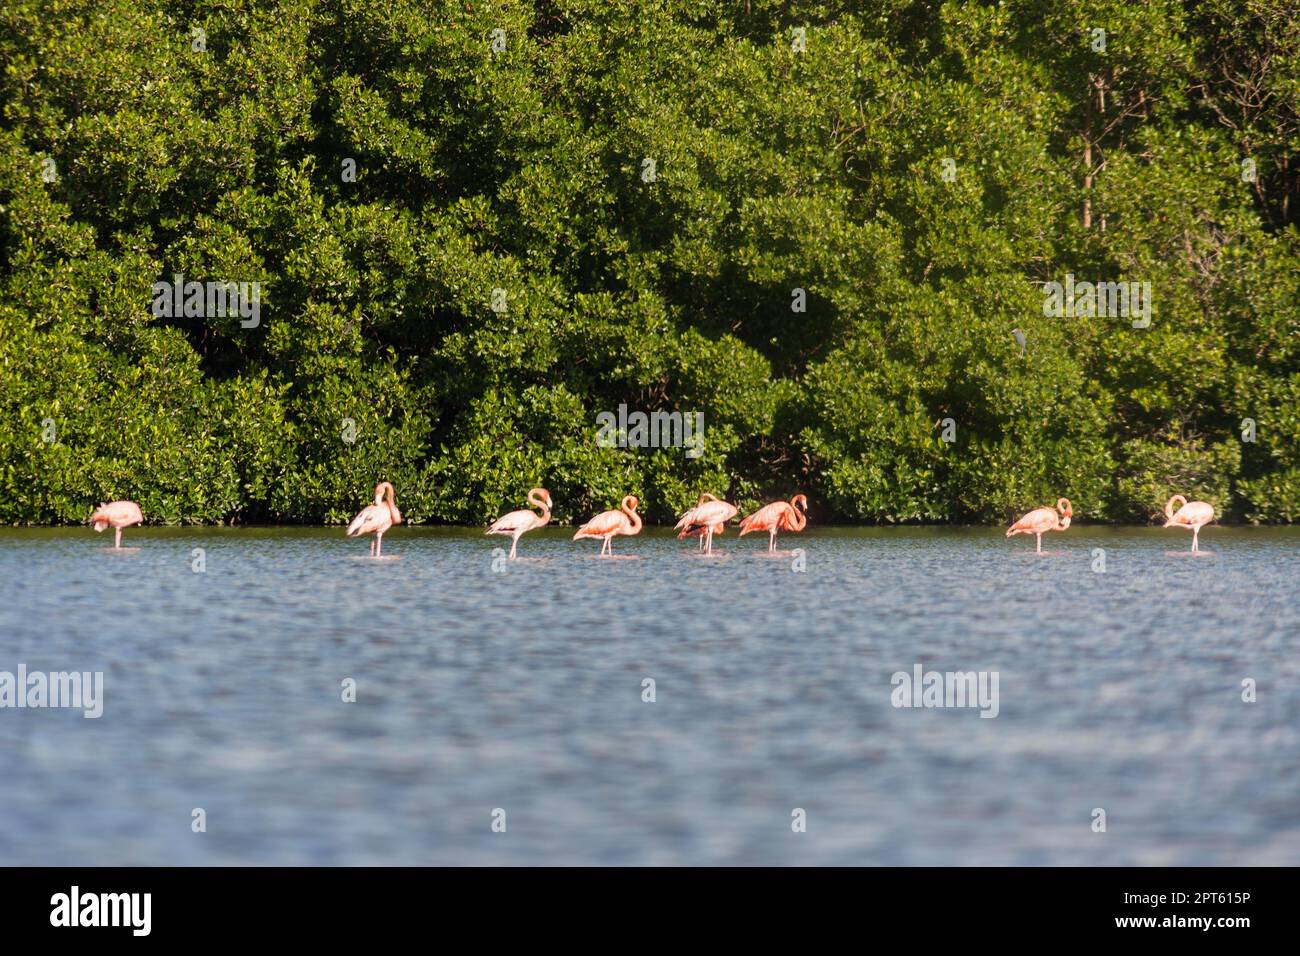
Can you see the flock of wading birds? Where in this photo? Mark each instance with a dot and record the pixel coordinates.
(709, 517)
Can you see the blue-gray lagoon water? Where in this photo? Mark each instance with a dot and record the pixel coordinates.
(482, 686)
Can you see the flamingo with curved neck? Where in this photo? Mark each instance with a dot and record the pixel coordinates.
(1192, 514)
(609, 523)
(515, 523)
(1041, 520)
(377, 518)
(779, 515)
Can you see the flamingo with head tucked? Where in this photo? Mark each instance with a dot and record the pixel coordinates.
(783, 515)
(377, 518)
(117, 515)
(517, 522)
(609, 523)
(1193, 514)
(1041, 520)
(707, 518)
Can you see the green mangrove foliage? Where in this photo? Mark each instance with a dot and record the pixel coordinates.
(830, 228)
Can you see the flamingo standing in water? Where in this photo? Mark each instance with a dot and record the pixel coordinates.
(707, 518)
(784, 515)
(119, 515)
(377, 518)
(1193, 514)
(517, 522)
(1041, 520)
(609, 523)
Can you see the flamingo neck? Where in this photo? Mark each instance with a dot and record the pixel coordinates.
(384, 495)
(631, 513)
(537, 501)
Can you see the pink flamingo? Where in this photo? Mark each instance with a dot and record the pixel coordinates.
(1041, 520)
(609, 523)
(517, 522)
(702, 531)
(707, 518)
(786, 516)
(119, 514)
(1193, 514)
(377, 518)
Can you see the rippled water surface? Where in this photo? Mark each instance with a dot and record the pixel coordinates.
(521, 689)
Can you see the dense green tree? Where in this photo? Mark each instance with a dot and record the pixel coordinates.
(475, 227)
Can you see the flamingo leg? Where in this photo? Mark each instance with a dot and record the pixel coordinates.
(379, 544)
(514, 543)
(372, 547)
(117, 538)
(1195, 543)
(1039, 548)
(609, 544)
(771, 541)
(708, 549)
